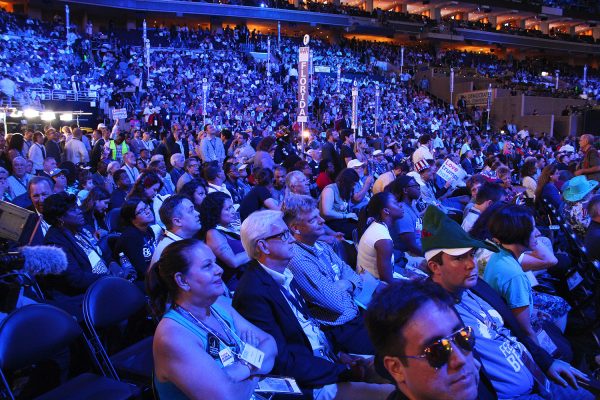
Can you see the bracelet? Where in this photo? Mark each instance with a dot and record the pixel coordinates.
(251, 367)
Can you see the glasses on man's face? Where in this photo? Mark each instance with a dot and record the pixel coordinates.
(144, 209)
(283, 236)
(438, 353)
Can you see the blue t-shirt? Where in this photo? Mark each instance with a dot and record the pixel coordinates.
(498, 350)
(506, 276)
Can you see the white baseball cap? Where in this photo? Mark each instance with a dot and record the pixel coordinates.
(355, 163)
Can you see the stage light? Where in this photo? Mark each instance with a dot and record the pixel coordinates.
(66, 117)
(48, 116)
(29, 113)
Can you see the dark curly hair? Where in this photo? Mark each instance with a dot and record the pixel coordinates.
(144, 181)
(190, 188)
(57, 205)
(210, 211)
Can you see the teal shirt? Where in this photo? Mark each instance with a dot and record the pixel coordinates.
(506, 276)
(167, 390)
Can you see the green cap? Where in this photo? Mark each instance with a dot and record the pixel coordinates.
(440, 233)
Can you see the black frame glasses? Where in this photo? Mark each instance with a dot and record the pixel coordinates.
(438, 353)
(143, 210)
(283, 236)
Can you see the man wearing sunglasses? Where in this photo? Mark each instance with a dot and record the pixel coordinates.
(422, 342)
(269, 297)
(513, 365)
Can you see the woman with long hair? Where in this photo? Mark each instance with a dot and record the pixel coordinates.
(335, 201)
(198, 328)
(94, 209)
(546, 187)
(528, 173)
(216, 216)
(376, 247)
(146, 188)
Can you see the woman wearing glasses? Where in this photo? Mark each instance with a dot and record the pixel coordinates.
(138, 240)
(199, 343)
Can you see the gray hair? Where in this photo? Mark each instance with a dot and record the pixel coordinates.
(295, 205)
(176, 156)
(290, 180)
(257, 226)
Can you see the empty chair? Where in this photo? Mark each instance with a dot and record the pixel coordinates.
(35, 333)
(108, 302)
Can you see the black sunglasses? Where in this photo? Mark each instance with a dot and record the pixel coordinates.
(438, 353)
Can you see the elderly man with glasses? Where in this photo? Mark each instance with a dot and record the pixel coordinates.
(268, 296)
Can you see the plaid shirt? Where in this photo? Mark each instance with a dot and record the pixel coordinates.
(316, 269)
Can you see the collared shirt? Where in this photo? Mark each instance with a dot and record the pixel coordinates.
(166, 239)
(422, 153)
(18, 186)
(132, 173)
(316, 269)
(214, 188)
(313, 333)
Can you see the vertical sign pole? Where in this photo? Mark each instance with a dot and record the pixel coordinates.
(489, 106)
(451, 88)
(354, 108)
(377, 94)
(204, 94)
(303, 88)
(401, 62)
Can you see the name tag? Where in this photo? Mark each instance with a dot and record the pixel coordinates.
(546, 342)
(226, 356)
(252, 355)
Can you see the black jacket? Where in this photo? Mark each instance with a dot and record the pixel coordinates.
(79, 275)
(258, 298)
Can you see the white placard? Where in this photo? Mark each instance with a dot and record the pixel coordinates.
(450, 171)
(120, 113)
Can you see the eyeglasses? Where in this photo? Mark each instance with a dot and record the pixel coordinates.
(144, 209)
(438, 353)
(283, 236)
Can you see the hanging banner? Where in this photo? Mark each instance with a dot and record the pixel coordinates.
(303, 60)
(355, 105)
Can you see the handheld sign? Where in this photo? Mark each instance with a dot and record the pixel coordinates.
(450, 171)
(119, 113)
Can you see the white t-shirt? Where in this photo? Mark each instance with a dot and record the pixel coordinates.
(367, 255)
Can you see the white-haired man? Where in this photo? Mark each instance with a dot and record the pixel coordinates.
(268, 296)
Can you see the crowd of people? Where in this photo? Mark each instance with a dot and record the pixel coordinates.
(343, 255)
